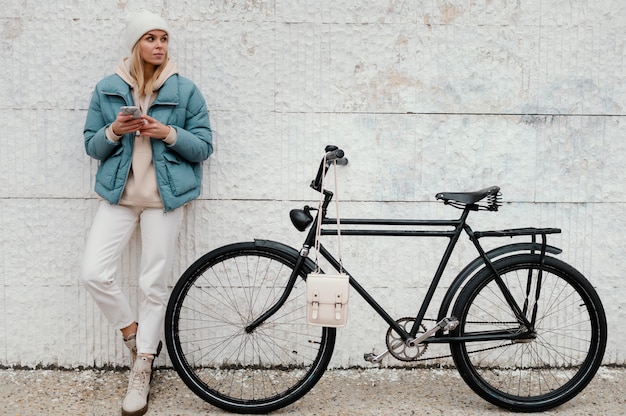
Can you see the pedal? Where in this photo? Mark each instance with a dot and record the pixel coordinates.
(449, 324)
(369, 357)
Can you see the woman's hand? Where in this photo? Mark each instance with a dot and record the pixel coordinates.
(126, 124)
(154, 128)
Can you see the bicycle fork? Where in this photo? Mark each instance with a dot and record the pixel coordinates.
(292, 279)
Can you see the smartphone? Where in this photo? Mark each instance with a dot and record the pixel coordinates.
(131, 111)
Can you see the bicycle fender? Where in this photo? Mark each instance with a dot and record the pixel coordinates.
(469, 270)
(309, 265)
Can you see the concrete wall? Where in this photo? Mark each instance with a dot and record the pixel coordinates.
(424, 96)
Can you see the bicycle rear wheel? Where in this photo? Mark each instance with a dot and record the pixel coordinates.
(210, 306)
(551, 365)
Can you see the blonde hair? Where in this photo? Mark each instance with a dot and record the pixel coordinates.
(137, 68)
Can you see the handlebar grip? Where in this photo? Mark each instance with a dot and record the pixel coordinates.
(334, 153)
(343, 161)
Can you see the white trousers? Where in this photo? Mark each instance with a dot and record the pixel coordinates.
(110, 233)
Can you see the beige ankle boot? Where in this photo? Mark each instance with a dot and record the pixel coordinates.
(136, 401)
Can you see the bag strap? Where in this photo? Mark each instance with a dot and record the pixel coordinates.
(338, 216)
(318, 230)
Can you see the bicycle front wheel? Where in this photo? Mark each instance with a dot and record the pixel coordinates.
(555, 360)
(209, 309)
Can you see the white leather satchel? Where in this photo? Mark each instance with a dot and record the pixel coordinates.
(327, 299)
(327, 294)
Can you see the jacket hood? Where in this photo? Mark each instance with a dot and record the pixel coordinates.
(123, 70)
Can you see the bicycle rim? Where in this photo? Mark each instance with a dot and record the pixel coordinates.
(256, 372)
(543, 370)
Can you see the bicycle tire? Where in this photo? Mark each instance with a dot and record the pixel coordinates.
(543, 371)
(209, 308)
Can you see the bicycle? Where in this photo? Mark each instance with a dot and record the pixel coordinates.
(526, 331)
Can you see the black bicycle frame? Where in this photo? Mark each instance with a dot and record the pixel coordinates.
(458, 227)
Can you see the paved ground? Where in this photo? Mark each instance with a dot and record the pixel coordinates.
(340, 392)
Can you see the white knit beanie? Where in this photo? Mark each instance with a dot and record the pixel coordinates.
(140, 23)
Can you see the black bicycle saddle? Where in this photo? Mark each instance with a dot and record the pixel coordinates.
(469, 198)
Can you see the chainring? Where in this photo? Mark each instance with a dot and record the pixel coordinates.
(398, 348)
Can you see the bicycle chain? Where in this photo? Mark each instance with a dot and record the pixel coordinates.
(450, 355)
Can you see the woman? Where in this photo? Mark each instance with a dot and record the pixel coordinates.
(149, 168)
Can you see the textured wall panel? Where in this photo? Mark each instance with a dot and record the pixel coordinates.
(425, 96)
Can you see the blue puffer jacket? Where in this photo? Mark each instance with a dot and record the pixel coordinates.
(178, 168)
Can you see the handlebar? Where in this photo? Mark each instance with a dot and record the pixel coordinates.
(333, 155)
